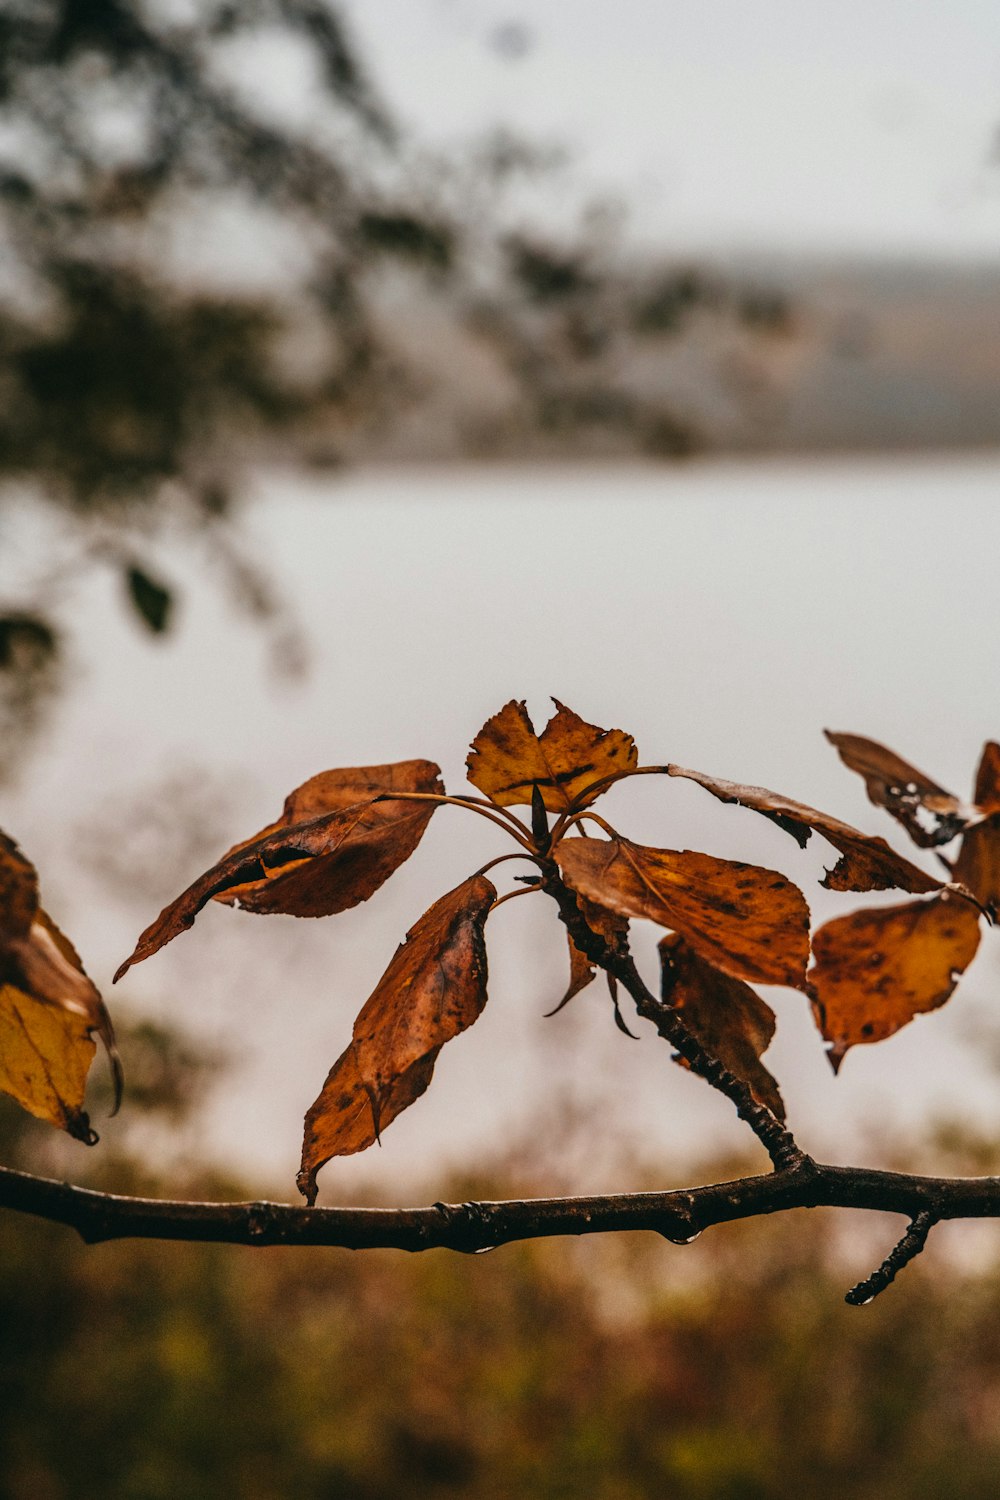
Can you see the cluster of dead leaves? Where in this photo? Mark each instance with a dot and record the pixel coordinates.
(729, 925)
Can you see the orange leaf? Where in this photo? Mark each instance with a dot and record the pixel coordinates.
(978, 862)
(751, 923)
(876, 969)
(730, 1019)
(311, 864)
(569, 758)
(929, 814)
(434, 988)
(866, 863)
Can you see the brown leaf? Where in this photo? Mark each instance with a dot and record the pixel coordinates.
(930, 814)
(434, 988)
(866, 863)
(608, 925)
(751, 923)
(726, 1016)
(570, 756)
(581, 972)
(878, 968)
(978, 862)
(324, 863)
(18, 892)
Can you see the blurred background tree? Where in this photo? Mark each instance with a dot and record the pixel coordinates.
(140, 377)
(219, 251)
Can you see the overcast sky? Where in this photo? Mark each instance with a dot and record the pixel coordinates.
(770, 124)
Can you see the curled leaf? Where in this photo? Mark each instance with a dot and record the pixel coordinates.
(565, 761)
(725, 1015)
(930, 814)
(978, 862)
(865, 864)
(749, 922)
(434, 988)
(878, 968)
(334, 845)
(49, 1009)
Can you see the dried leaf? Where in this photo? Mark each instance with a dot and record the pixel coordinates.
(45, 1055)
(18, 892)
(49, 1009)
(751, 923)
(607, 924)
(987, 789)
(570, 756)
(866, 863)
(332, 848)
(581, 972)
(725, 1015)
(978, 862)
(434, 988)
(876, 969)
(930, 814)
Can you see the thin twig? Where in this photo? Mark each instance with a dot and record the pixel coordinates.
(908, 1248)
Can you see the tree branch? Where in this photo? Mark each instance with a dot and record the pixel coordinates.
(908, 1248)
(475, 1227)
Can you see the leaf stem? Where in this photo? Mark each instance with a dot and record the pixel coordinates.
(518, 831)
(525, 890)
(502, 859)
(567, 821)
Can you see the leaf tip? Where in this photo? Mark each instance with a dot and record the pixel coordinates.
(835, 1055)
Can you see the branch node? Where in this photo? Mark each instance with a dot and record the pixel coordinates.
(470, 1226)
(260, 1221)
(908, 1248)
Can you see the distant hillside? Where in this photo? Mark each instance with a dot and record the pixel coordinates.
(800, 357)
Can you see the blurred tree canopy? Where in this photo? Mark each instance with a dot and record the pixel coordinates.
(213, 241)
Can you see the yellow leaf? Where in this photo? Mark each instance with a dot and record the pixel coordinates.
(565, 762)
(45, 1055)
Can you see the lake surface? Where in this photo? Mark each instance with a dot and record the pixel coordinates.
(722, 613)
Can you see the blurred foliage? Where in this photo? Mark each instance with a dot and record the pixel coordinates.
(216, 249)
(615, 1367)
